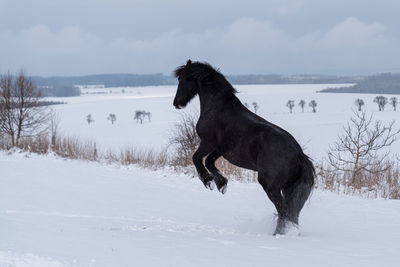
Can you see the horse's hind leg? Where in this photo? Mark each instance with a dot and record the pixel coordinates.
(294, 207)
(271, 187)
(198, 156)
(219, 179)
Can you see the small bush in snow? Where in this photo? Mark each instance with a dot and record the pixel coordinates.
(111, 117)
(290, 105)
(89, 119)
(302, 103)
(381, 101)
(313, 105)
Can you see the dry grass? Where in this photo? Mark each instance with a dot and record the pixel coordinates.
(5, 142)
(183, 144)
(235, 173)
(146, 158)
(38, 144)
(74, 148)
(382, 184)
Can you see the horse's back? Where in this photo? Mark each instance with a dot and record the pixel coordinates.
(242, 137)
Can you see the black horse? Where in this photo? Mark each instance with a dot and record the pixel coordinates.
(228, 129)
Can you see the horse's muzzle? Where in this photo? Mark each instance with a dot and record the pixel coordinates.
(178, 106)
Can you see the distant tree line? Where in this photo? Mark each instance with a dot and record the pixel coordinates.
(108, 80)
(59, 90)
(294, 79)
(385, 83)
(62, 86)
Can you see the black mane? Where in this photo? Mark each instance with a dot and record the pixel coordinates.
(205, 73)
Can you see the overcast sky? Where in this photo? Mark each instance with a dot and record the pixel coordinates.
(76, 37)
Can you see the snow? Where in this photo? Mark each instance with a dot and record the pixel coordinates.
(315, 131)
(56, 212)
(26, 260)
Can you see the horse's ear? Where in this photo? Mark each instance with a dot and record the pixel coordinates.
(188, 62)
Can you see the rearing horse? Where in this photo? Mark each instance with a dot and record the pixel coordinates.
(228, 129)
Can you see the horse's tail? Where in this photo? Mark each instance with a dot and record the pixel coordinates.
(297, 193)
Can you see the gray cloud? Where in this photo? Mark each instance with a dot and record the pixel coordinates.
(250, 43)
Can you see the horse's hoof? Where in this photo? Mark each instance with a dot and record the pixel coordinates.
(223, 188)
(210, 185)
(286, 227)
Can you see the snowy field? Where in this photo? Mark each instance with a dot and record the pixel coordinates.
(56, 212)
(315, 131)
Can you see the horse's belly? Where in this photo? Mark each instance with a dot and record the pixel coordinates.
(241, 161)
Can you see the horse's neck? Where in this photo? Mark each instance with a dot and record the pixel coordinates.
(209, 103)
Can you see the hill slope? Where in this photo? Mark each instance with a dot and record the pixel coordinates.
(385, 83)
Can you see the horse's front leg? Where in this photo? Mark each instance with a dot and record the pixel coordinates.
(219, 179)
(198, 156)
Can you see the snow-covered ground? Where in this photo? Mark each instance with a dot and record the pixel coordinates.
(313, 130)
(56, 212)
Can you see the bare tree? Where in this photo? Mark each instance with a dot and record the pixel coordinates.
(393, 102)
(362, 146)
(359, 103)
(302, 103)
(313, 105)
(111, 117)
(381, 101)
(21, 111)
(141, 114)
(255, 106)
(89, 119)
(290, 105)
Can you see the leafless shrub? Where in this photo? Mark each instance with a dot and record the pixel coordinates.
(21, 113)
(184, 140)
(359, 103)
(302, 103)
(381, 101)
(290, 105)
(313, 104)
(112, 117)
(393, 101)
(362, 147)
(89, 118)
(359, 162)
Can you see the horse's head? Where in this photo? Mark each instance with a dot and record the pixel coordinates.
(187, 86)
(200, 78)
